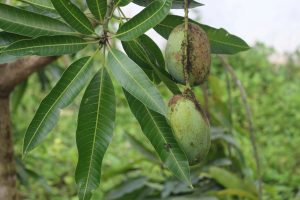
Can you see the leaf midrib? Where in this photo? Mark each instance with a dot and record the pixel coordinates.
(91, 31)
(99, 11)
(171, 151)
(38, 28)
(124, 68)
(94, 139)
(145, 21)
(55, 45)
(83, 67)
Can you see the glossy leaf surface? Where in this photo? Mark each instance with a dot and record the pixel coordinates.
(46, 46)
(94, 132)
(67, 88)
(159, 133)
(22, 22)
(135, 81)
(73, 16)
(145, 20)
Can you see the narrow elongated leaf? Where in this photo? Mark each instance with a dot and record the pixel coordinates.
(93, 136)
(30, 24)
(177, 4)
(221, 41)
(143, 51)
(67, 88)
(7, 38)
(159, 133)
(46, 46)
(147, 55)
(145, 20)
(73, 16)
(135, 81)
(97, 8)
(45, 4)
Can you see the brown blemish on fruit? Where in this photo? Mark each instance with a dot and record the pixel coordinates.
(174, 99)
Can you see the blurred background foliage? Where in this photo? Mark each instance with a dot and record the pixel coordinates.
(131, 169)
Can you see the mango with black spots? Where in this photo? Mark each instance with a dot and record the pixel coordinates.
(199, 57)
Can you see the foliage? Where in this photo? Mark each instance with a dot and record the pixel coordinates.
(277, 135)
(63, 28)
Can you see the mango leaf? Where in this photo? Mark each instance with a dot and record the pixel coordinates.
(145, 20)
(237, 193)
(73, 16)
(144, 51)
(221, 41)
(67, 88)
(122, 2)
(177, 4)
(158, 131)
(44, 4)
(97, 8)
(46, 46)
(7, 38)
(93, 136)
(147, 55)
(22, 22)
(222, 176)
(135, 81)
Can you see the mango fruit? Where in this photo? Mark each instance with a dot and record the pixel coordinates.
(190, 127)
(199, 57)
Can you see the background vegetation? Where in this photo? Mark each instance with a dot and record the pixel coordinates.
(132, 171)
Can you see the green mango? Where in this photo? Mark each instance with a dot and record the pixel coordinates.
(190, 127)
(198, 53)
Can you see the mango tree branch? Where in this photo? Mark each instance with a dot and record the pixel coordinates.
(238, 83)
(11, 74)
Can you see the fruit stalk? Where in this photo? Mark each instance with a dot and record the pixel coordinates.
(186, 49)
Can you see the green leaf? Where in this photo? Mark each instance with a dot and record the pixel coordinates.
(67, 88)
(73, 16)
(177, 4)
(22, 22)
(98, 8)
(7, 38)
(135, 81)
(45, 4)
(122, 2)
(147, 55)
(144, 51)
(46, 46)
(159, 133)
(236, 193)
(222, 176)
(221, 41)
(145, 20)
(93, 136)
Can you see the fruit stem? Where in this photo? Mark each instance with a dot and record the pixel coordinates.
(186, 43)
